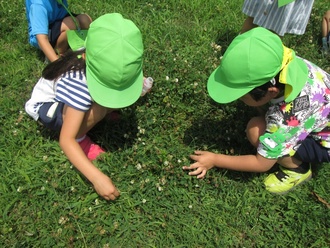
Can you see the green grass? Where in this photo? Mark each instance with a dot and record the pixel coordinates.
(47, 203)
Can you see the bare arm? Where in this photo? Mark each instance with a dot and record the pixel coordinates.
(71, 125)
(207, 160)
(46, 47)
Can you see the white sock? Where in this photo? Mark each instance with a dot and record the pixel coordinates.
(81, 139)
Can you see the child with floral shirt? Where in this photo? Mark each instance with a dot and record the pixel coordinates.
(259, 70)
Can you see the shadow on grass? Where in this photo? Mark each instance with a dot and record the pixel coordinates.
(224, 38)
(226, 136)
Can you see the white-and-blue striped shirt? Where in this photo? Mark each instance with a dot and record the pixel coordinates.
(70, 88)
(290, 18)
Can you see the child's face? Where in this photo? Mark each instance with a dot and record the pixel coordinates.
(271, 94)
(248, 100)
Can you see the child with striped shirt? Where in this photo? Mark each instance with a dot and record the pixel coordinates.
(79, 89)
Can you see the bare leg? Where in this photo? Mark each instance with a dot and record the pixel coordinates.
(248, 24)
(326, 24)
(84, 21)
(254, 129)
(62, 41)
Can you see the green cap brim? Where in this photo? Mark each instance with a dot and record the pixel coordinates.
(76, 39)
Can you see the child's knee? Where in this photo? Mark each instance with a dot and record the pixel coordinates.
(84, 21)
(327, 16)
(254, 129)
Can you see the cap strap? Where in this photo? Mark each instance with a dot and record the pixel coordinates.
(288, 57)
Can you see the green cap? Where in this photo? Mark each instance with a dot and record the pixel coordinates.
(76, 39)
(114, 51)
(251, 60)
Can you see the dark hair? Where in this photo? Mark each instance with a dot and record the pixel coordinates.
(71, 60)
(259, 92)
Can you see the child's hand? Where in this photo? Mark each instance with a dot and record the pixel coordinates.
(105, 188)
(204, 162)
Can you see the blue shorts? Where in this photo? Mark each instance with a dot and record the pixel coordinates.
(54, 30)
(50, 115)
(310, 151)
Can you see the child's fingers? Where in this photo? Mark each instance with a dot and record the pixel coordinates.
(191, 167)
(202, 175)
(196, 172)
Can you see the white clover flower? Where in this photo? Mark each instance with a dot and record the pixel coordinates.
(62, 220)
(42, 188)
(45, 157)
(19, 189)
(132, 182)
(160, 188)
(144, 201)
(72, 188)
(162, 180)
(138, 166)
(147, 180)
(179, 161)
(166, 163)
(167, 78)
(190, 206)
(126, 136)
(90, 209)
(176, 80)
(97, 202)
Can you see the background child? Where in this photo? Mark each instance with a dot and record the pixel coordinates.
(64, 100)
(48, 21)
(326, 32)
(290, 18)
(257, 69)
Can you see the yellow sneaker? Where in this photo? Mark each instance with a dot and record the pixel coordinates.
(285, 180)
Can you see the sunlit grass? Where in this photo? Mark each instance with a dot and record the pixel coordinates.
(45, 202)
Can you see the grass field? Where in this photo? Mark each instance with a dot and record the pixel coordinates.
(45, 202)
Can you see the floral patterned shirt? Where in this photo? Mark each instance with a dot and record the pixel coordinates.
(289, 123)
